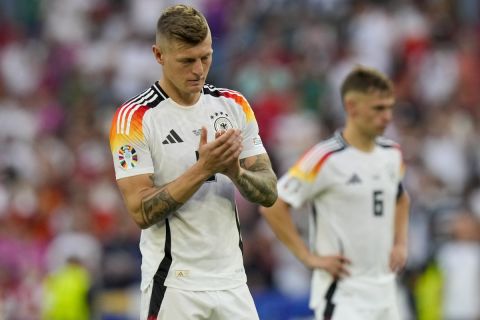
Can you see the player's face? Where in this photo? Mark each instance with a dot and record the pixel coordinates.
(374, 113)
(185, 67)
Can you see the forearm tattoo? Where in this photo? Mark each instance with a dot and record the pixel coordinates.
(259, 183)
(158, 206)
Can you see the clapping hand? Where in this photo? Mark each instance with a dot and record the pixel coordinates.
(221, 155)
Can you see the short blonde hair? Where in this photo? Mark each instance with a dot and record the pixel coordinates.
(365, 80)
(182, 23)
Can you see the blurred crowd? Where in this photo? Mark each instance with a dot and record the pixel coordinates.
(66, 65)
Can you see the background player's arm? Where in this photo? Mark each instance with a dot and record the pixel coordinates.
(280, 220)
(398, 256)
(149, 204)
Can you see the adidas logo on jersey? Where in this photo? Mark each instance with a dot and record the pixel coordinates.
(354, 179)
(173, 137)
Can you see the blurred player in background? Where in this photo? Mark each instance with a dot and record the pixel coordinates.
(353, 181)
(179, 150)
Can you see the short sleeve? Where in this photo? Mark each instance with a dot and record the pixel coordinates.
(128, 142)
(307, 178)
(293, 190)
(252, 142)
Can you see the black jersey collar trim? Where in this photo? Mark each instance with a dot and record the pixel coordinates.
(162, 92)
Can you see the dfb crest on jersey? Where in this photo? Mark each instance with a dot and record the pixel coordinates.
(221, 121)
(127, 155)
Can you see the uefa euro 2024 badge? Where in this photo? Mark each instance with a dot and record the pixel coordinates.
(127, 156)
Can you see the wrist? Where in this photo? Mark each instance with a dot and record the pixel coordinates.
(400, 246)
(304, 258)
(200, 172)
(236, 175)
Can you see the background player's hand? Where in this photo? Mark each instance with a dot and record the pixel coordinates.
(219, 155)
(398, 257)
(335, 265)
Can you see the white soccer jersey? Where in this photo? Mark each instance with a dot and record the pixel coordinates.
(354, 196)
(199, 246)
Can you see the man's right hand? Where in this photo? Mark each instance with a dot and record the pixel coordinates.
(336, 265)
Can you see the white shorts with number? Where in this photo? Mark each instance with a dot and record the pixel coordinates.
(180, 304)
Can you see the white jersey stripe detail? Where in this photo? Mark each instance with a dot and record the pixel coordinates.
(122, 110)
(125, 106)
(385, 142)
(229, 91)
(130, 107)
(319, 151)
(130, 116)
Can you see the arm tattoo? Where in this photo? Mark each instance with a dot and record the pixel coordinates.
(258, 183)
(158, 206)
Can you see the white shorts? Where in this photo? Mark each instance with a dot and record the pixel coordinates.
(347, 311)
(180, 304)
(359, 300)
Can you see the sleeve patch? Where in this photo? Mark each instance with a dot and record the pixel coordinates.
(127, 156)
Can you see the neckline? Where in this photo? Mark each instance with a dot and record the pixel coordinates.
(341, 138)
(164, 94)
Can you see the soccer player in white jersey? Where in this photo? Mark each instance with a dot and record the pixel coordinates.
(360, 209)
(179, 149)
